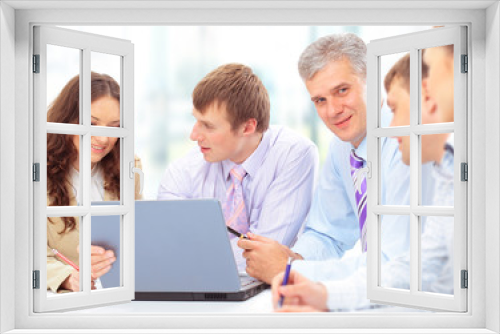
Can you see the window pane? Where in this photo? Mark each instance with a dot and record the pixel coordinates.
(106, 79)
(106, 232)
(105, 164)
(394, 191)
(63, 67)
(395, 89)
(63, 165)
(63, 258)
(438, 151)
(395, 234)
(437, 81)
(437, 254)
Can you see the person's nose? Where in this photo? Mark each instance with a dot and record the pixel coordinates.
(101, 140)
(195, 133)
(334, 107)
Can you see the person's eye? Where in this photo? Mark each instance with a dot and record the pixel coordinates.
(206, 125)
(320, 101)
(343, 91)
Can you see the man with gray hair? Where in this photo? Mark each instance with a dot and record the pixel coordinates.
(334, 71)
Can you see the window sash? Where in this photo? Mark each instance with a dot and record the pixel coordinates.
(86, 43)
(412, 43)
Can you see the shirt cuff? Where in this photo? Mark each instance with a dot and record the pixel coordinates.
(342, 295)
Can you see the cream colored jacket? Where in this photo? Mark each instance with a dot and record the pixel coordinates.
(67, 242)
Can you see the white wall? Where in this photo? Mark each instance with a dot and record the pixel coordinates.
(7, 62)
(492, 163)
(486, 117)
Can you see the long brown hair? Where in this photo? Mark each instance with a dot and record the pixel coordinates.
(62, 153)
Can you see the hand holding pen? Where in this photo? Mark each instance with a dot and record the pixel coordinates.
(72, 282)
(101, 261)
(299, 295)
(236, 233)
(285, 279)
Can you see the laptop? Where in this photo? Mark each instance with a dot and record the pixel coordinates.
(183, 253)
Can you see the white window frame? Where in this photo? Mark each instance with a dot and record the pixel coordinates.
(484, 103)
(85, 44)
(412, 44)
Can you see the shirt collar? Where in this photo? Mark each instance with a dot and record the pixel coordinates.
(446, 165)
(361, 150)
(254, 161)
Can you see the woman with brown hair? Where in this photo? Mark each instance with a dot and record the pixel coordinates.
(63, 177)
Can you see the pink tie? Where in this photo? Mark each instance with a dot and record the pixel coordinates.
(235, 212)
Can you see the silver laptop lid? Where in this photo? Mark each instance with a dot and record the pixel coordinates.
(183, 246)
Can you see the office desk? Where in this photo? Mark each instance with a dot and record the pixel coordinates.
(256, 305)
(260, 303)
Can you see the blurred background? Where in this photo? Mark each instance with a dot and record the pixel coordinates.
(170, 60)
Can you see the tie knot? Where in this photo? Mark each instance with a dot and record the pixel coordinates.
(238, 172)
(356, 162)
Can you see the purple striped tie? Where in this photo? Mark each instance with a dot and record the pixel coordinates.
(359, 179)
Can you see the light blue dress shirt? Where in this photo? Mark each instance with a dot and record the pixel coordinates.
(277, 189)
(437, 239)
(332, 227)
(349, 293)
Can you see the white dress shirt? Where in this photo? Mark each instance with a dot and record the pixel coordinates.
(277, 189)
(96, 184)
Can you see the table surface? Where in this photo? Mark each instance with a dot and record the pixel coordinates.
(261, 303)
(258, 304)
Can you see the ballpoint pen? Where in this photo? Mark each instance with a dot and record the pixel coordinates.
(236, 233)
(285, 278)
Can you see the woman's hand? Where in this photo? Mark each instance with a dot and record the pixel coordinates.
(72, 283)
(101, 261)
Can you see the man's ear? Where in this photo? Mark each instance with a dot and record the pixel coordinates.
(430, 104)
(250, 126)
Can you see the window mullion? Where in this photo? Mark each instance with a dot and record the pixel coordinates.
(85, 168)
(414, 172)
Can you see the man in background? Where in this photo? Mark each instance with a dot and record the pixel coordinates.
(333, 69)
(303, 294)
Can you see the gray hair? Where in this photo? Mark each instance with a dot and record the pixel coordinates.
(333, 48)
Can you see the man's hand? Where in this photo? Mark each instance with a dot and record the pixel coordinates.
(301, 294)
(265, 257)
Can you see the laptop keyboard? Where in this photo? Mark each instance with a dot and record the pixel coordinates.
(247, 280)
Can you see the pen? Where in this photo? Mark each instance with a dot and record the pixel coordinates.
(65, 259)
(236, 233)
(285, 278)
